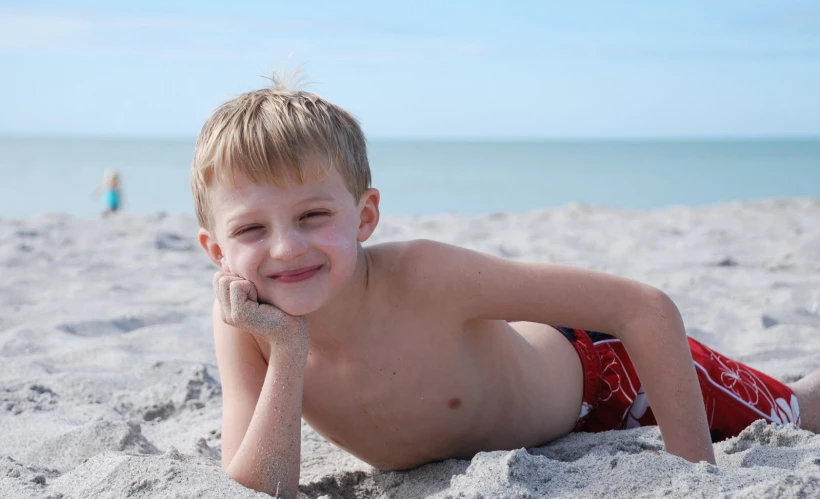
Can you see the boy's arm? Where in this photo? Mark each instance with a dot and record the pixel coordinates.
(242, 371)
(645, 319)
(262, 406)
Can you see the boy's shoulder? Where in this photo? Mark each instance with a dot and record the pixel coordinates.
(403, 275)
(407, 259)
(415, 266)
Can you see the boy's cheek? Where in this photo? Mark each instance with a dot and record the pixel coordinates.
(237, 263)
(247, 267)
(335, 239)
(223, 264)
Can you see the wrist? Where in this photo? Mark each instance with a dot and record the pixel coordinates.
(288, 351)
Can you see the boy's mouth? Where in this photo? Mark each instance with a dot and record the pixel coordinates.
(296, 275)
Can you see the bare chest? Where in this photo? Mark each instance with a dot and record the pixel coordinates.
(403, 400)
(428, 394)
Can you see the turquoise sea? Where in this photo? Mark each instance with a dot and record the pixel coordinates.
(428, 177)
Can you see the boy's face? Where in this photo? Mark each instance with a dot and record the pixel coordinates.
(298, 244)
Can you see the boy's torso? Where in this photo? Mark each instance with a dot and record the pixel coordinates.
(431, 386)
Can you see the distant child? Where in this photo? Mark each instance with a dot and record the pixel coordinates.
(402, 353)
(111, 188)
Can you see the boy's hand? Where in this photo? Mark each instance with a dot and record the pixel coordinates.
(240, 308)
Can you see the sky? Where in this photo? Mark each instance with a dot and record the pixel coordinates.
(421, 69)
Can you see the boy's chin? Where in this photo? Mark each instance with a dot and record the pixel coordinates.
(297, 309)
(298, 303)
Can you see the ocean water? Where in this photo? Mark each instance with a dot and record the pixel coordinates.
(427, 177)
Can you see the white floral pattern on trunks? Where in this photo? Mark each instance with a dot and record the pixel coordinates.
(637, 410)
(753, 391)
(786, 412)
(606, 393)
(612, 380)
(616, 380)
(585, 410)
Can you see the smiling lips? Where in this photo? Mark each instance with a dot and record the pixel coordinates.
(297, 275)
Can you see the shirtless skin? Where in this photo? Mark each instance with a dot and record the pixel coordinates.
(423, 389)
(400, 353)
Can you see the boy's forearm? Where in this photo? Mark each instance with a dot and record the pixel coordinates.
(269, 456)
(657, 345)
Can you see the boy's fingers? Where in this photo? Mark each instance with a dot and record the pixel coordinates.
(252, 314)
(217, 275)
(242, 293)
(224, 295)
(218, 293)
(245, 311)
(244, 307)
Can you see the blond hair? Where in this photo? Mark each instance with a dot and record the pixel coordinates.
(111, 175)
(267, 134)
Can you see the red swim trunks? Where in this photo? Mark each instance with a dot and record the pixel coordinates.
(735, 395)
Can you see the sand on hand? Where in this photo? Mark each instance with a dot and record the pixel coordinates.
(109, 387)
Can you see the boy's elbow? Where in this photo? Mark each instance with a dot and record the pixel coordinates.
(246, 479)
(655, 310)
(260, 482)
(663, 305)
(235, 473)
(242, 476)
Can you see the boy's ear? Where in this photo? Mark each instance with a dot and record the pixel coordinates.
(368, 214)
(211, 247)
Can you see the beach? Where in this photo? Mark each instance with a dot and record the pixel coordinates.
(109, 386)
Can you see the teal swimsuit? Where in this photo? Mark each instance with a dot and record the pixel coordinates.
(112, 198)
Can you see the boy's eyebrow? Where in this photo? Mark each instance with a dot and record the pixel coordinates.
(231, 220)
(318, 197)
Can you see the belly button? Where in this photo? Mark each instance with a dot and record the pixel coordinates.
(454, 403)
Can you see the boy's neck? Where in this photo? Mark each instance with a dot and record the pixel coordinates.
(334, 327)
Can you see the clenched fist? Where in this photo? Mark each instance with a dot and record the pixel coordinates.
(240, 308)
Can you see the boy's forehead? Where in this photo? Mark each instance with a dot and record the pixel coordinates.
(242, 189)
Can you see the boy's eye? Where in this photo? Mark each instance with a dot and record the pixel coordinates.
(243, 230)
(314, 214)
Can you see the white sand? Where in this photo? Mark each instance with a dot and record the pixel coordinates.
(108, 384)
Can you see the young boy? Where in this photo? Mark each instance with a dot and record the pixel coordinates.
(402, 353)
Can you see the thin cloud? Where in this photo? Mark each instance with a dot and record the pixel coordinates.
(176, 37)
(803, 21)
(26, 32)
(22, 32)
(600, 51)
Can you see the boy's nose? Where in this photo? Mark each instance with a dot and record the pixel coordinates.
(288, 246)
